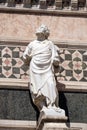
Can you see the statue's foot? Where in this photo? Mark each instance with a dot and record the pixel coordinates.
(57, 109)
(43, 109)
(53, 110)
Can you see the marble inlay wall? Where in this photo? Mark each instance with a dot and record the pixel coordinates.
(23, 27)
(11, 62)
(73, 64)
(17, 105)
(47, 4)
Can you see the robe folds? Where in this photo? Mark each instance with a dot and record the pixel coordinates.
(42, 80)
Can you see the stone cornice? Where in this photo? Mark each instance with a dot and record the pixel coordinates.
(68, 86)
(36, 11)
(17, 124)
(30, 125)
(61, 43)
(57, 7)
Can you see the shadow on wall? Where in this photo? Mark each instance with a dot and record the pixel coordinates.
(63, 101)
(35, 108)
(74, 104)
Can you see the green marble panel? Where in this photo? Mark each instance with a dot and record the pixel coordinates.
(75, 105)
(17, 105)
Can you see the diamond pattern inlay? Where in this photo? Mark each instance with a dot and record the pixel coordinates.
(73, 64)
(11, 62)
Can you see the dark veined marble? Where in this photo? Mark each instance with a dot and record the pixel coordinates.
(17, 105)
(75, 105)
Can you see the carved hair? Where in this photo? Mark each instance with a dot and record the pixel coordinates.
(44, 30)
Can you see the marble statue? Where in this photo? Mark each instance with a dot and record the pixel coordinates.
(42, 55)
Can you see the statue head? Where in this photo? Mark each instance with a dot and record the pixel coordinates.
(43, 30)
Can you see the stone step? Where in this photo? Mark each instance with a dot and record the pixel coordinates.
(17, 125)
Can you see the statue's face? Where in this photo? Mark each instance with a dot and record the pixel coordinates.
(42, 32)
(40, 36)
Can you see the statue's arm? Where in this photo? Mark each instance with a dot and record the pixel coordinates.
(56, 59)
(26, 55)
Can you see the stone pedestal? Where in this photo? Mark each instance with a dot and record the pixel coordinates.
(53, 123)
(50, 122)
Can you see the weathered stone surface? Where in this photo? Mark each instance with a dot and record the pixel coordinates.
(58, 4)
(53, 123)
(42, 4)
(27, 3)
(10, 3)
(16, 104)
(73, 105)
(46, 122)
(74, 4)
(18, 26)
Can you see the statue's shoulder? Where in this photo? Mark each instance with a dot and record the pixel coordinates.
(49, 41)
(32, 43)
(53, 45)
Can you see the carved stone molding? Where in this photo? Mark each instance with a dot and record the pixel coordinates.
(74, 4)
(54, 5)
(50, 2)
(30, 125)
(24, 84)
(27, 3)
(86, 3)
(42, 4)
(10, 1)
(66, 4)
(58, 4)
(17, 125)
(81, 4)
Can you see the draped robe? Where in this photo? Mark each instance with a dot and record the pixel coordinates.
(42, 80)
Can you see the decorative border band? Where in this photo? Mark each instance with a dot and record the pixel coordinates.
(73, 66)
(61, 43)
(30, 125)
(43, 11)
(69, 86)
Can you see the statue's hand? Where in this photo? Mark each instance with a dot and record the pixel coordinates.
(56, 63)
(56, 68)
(27, 60)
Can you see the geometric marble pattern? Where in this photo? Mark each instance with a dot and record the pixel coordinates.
(73, 64)
(11, 63)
